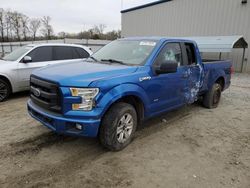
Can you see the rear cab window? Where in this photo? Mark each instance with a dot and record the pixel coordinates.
(191, 54)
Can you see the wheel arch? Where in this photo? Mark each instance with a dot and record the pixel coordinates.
(221, 81)
(135, 101)
(131, 99)
(130, 93)
(5, 78)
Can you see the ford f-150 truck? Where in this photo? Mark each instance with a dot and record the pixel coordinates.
(122, 84)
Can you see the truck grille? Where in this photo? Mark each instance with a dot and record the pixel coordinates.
(45, 94)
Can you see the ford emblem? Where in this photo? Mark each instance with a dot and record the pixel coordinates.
(36, 92)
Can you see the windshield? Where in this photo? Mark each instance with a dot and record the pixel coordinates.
(16, 54)
(129, 52)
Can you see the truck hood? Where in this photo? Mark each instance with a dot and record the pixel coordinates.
(81, 73)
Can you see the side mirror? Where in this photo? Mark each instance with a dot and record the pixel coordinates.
(167, 67)
(27, 59)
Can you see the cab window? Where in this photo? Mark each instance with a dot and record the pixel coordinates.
(191, 57)
(170, 52)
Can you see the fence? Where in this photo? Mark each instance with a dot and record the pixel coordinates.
(8, 47)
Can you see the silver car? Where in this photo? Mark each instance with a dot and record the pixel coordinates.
(16, 67)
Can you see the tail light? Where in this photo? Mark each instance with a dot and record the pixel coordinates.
(231, 70)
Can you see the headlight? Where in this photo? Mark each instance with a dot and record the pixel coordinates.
(87, 95)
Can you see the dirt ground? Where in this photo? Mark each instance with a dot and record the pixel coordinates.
(191, 147)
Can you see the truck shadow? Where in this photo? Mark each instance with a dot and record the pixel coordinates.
(83, 151)
(163, 121)
(36, 144)
(147, 128)
(18, 95)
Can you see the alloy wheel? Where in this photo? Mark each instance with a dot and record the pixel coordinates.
(3, 91)
(125, 128)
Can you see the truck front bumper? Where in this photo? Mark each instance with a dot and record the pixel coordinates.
(62, 125)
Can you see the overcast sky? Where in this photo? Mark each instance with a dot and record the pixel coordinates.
(74, 15)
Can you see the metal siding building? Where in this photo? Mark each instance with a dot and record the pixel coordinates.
(192, 18)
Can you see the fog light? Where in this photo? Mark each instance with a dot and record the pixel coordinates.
(78, 126)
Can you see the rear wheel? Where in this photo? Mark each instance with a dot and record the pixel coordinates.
(4, 90)
(212, 97)
(118, 126)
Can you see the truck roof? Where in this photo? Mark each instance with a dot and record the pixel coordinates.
(157, 38)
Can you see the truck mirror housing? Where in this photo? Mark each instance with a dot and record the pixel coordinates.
(167, 67)
(27, 59)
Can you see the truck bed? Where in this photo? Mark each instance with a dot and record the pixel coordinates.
(214, 68)
(205, 61)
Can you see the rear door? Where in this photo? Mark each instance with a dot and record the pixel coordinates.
(192, 72)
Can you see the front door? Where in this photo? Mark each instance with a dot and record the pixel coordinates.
(166, 91)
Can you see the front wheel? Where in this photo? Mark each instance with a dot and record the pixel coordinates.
(212, 97)
(118, 126)
(4, 90)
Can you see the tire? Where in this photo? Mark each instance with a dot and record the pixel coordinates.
(114, 133)
(212, 97)
(5, 90)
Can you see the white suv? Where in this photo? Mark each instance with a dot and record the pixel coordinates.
(16, 67)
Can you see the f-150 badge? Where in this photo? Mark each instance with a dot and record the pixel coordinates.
(145, 78)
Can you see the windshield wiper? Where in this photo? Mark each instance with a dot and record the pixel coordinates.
(114, 61)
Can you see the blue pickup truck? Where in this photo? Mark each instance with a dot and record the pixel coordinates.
(124, 83)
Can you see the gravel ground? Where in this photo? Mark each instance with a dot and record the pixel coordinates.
(192, 147)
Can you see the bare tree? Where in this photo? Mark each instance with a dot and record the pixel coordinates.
(25, 25)
(35, 24)
(62, 35)
(2, 24)
(17, 26)
(99, 29)
(91, 32)
(15, 19)
(47, 28)
(112, 35)
(8, 25)
(102, 27)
